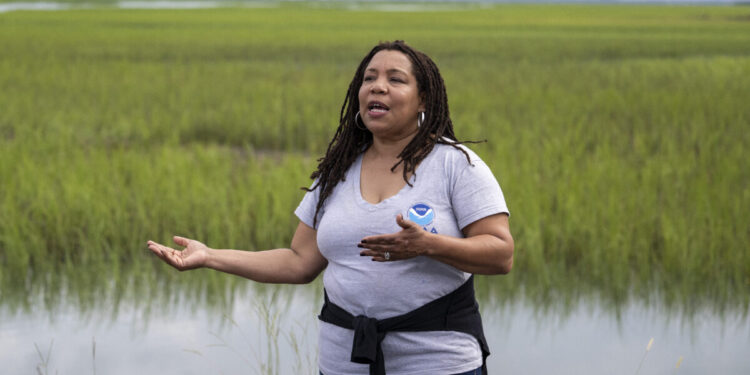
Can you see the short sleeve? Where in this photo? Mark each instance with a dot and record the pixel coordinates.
(306, 209)
(476, 194)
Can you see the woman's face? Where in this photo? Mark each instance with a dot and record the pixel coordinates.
(388, 98)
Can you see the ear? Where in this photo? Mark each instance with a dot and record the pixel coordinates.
(422, 106)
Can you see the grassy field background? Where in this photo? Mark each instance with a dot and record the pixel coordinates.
(618, 133)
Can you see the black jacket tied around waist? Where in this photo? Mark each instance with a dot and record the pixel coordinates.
(456, 311)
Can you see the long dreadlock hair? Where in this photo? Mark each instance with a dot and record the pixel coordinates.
(350, 140)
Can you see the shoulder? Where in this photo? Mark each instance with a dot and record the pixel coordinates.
(448, 164)
(456, 157)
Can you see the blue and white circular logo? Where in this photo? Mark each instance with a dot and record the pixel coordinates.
(421, 214)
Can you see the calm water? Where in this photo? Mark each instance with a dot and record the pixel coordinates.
(276, 328)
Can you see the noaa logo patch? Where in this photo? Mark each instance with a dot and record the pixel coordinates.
(421, 214)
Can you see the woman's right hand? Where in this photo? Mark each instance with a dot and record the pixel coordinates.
(194, 255)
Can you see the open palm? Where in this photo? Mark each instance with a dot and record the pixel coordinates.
(194, 255)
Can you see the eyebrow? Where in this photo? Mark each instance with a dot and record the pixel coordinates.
(391, 70)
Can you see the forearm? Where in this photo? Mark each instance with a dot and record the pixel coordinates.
(482, 254)
(269, 266)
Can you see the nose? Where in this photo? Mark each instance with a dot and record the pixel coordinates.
(378, 87)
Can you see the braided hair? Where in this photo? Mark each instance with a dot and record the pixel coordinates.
(350, 139)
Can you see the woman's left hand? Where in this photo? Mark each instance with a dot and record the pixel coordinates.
(405, 244)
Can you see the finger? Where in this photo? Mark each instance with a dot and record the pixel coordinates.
(154, 247)
(404, 223)
(160, 249)
(377, 256)
(167, 254)
(383, 239)
(378, 252)
(182, 241)
(162, 252)
(376, 247)
(392, 257)
(165, 249)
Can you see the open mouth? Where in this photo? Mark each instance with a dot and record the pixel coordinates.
(377, 107)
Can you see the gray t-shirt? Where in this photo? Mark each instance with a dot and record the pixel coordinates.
(447, 194)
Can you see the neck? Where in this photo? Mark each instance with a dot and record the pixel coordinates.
(389, 148)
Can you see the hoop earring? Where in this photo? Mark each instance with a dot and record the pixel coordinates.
(357, 121)
(420, 119)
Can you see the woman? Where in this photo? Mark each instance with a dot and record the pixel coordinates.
(400, 216)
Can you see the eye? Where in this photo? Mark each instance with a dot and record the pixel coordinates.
(399, 80)
(368, 78)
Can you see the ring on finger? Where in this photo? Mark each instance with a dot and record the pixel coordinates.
(387, 255)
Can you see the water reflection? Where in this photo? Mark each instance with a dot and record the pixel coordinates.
(207, 323)
(157, 4)
(197, 4)
(9, 7)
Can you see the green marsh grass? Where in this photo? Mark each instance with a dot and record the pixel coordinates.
(618, 133)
